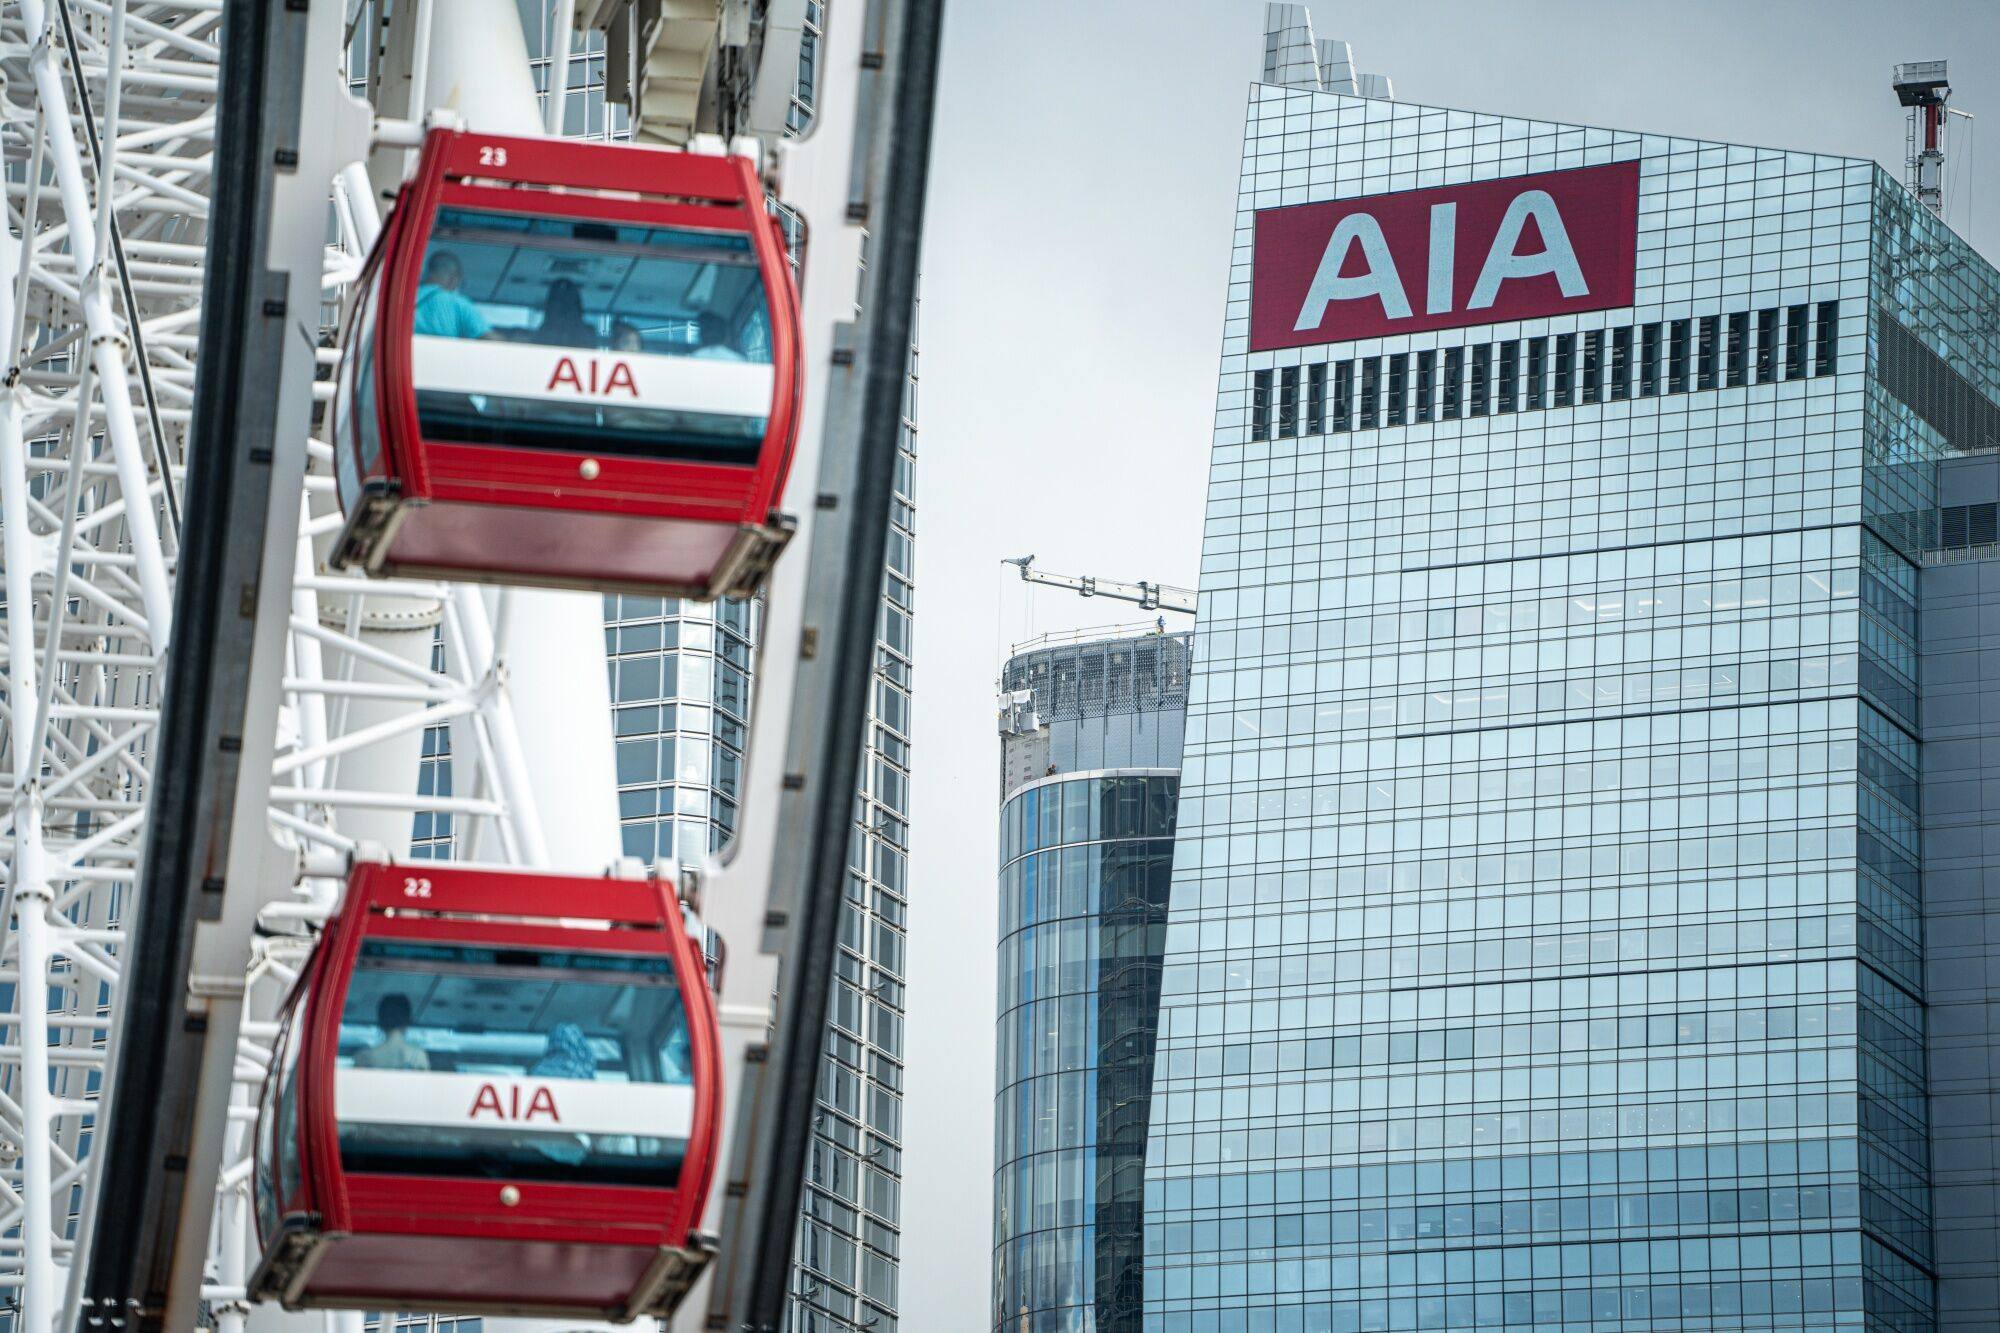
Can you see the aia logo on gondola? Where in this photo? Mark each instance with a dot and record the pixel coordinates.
(591, 377)
(488, 1101)
(1524, 247)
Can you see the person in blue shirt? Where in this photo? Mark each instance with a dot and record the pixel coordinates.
(441, 311)
(567, 1055)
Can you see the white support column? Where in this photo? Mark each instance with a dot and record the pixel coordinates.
(107, 342)
(550, 647)
(232, 1244)
(31, 907)
(561, 31)
(29, 882)
(403, 627)
(508, 762)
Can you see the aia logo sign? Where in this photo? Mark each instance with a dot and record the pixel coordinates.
(490, 1101)
(591, 377)
(1519, 248)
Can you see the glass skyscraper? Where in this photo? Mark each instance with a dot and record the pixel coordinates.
(1547, 942)
(1090, 755)
(680, 679)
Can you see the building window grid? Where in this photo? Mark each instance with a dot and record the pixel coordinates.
(1767, 345)
(1679, 338)
(1707, 337)
(432, 832)
(1596, 366)
(1083, 879)
(1825, 335)
(1821, 1265)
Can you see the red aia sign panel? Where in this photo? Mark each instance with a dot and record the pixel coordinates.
(1520, 248)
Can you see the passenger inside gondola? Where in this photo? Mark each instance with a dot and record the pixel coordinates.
(473, 1060)
(608, 338)
(441, 311)
(716, 344)
(568, 1054)
(563, 324)
(394, 1051)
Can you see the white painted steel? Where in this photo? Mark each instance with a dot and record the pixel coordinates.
(87, 560)
(552, 643)
(88, 548)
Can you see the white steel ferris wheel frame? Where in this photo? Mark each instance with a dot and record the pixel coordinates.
(102, 280)
(101, 283)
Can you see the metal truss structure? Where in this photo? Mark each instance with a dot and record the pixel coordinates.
(101, 286)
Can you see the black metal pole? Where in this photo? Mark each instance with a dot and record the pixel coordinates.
(141, 1153)
(791, 1076)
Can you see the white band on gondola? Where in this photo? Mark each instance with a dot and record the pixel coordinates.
(584, 376)
(567, 1105)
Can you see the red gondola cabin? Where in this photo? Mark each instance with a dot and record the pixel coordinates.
(492, 1092)
(573, 365)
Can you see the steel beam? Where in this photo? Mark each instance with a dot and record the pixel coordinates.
(208, 858)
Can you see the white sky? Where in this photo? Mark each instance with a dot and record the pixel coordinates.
(1082, 194)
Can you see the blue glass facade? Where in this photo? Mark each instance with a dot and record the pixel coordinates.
(1090, 747)
(1546, 945)
(1085, 864)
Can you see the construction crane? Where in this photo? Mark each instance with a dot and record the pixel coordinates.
(1146, 596)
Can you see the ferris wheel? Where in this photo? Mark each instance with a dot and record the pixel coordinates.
(334, 400)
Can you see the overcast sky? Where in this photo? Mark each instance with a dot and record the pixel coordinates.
(1074, 263)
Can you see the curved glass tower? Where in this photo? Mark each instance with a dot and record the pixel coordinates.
(1090, 749)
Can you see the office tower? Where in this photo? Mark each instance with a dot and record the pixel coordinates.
(1090, 753)
(681, 679)
(1548, 936)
